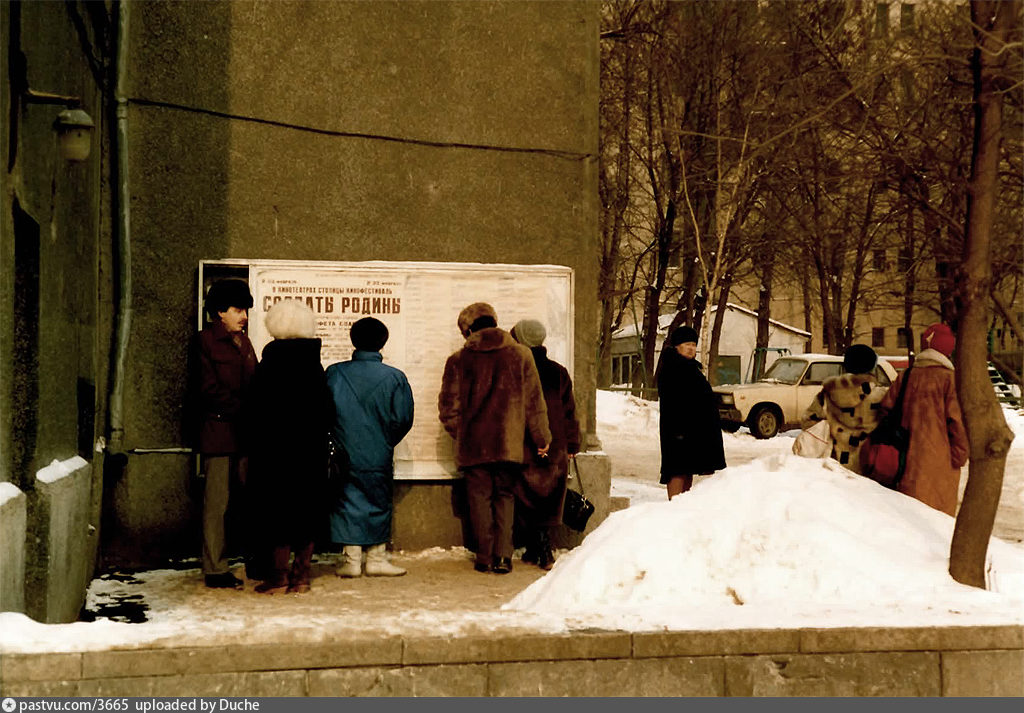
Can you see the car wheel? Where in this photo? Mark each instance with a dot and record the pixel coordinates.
(730, 426)
(764, 422)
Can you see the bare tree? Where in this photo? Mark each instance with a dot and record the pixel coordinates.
(997, 29)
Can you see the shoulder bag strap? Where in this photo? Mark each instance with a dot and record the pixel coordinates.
(898, 406)
(579, 478)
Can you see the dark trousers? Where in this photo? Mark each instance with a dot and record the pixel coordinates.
(490, 496)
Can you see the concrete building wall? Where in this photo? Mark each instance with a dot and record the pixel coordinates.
(52, 335)
(455, 131)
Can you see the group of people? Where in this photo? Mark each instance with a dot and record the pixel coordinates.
(295, 440)
(854, 404)
(497, 388)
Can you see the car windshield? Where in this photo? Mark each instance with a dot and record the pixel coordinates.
(785, 371)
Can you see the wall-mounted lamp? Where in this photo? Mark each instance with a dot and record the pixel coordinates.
(73, 126)
(74, 134)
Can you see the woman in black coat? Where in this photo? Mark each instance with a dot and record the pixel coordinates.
(691, 436)
(290, 411)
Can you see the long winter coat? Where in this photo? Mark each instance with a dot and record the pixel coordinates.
(850, 404)
(542, 487)
(288, 412)
(491, 398)
(938, 441)
(220, 374)
(691, 436)
(372, 413)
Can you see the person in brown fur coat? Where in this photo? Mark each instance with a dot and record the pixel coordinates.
(490, 399)
(931, 412)
(850, 404)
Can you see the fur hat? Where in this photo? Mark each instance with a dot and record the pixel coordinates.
(472, 313)
(369, 334)
(682, 335)
(529, 332)
(290, 319)
(940, 338)
(226, 293)
(859, 359)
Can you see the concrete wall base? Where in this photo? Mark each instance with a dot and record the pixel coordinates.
(427, 514)
(951, 661)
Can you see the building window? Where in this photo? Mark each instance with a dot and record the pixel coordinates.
(881, 19)
(878, 261)
(903, 338)
(906, 18)
(906, 260)
(878, 336)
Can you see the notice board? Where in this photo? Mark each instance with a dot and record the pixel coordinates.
(420, 303)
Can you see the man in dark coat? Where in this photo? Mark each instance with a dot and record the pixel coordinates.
(540, 493)
(373, 410)
(223, 362)
(490, 399)
(691, 436)
(289, 411)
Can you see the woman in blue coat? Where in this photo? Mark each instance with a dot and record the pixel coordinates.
(373, 410)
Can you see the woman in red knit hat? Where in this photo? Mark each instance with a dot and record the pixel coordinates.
(931, 412)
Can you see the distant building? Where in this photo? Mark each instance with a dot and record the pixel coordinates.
(735, 347)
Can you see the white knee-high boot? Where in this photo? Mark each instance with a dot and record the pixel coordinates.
(377, 564)
(351, 561)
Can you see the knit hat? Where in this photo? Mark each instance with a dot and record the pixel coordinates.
(859, 359)
(290, 319)
(940, 338)
(369, 334)
(230, 292)
(682, 335)
(474, 312)
(529, 332)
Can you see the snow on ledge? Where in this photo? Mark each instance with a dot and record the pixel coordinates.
(59, 469)
(8, 491)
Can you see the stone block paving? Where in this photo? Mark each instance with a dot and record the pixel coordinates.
(387, 642)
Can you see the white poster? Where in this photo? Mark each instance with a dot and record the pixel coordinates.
(420, 304)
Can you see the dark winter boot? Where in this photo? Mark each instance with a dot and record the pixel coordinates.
(277, 579)
(298, 580)
(545, 557)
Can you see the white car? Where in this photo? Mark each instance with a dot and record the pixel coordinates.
(780, 397)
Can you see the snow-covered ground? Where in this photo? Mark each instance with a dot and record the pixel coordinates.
(772, 541)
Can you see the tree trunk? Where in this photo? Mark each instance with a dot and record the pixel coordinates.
(716, 328)
(764, 314)
(986, 428)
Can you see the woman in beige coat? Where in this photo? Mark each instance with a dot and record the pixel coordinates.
(931, 412)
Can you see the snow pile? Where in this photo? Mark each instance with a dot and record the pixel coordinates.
(783, 536)
(8, 491)
(59, 469)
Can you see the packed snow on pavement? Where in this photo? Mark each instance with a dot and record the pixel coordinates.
(773, 541)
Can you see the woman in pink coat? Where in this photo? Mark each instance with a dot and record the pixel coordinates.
(931, 412)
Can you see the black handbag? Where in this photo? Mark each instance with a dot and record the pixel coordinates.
(577, 509)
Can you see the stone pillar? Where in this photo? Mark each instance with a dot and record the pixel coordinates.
(12, 548)
(58, 563)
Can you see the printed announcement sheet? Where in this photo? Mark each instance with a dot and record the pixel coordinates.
(419, 303)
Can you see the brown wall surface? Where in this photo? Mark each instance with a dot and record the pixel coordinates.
(440, 131)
